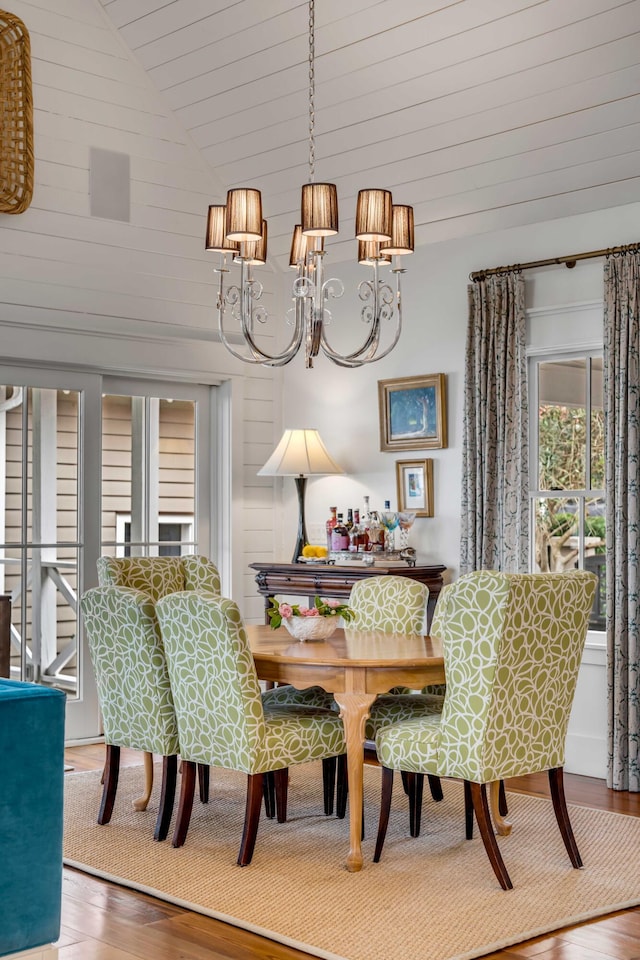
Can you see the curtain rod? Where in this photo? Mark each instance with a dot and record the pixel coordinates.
(570, 261)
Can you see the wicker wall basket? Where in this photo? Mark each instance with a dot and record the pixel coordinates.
(16, 116)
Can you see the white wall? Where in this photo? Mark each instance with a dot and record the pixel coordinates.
(136, 297)
(564, 307)
(343, 404)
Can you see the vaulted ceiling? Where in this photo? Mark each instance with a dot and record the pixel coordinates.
(482, 114)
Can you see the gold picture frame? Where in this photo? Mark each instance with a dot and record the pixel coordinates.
(414, 482)
(413, 412)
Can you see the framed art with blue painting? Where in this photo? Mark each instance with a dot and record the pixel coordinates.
(414, 480)
(413, 413)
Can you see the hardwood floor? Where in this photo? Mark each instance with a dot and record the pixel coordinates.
(102, 921)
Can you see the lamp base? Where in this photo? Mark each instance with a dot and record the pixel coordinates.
(301, 542)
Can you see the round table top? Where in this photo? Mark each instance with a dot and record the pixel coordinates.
(347, 647)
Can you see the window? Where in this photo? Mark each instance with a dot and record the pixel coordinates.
(567, 469)
(175, 536)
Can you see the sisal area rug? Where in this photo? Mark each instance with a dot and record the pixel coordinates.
(433, 897)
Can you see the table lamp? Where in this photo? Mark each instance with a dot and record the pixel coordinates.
(300, 454)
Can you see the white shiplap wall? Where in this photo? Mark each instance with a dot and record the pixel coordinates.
(136, 297)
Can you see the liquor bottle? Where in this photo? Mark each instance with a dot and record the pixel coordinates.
(349, 522)
(356, 534)
(330, 524)
(375, 533)
(339, 536)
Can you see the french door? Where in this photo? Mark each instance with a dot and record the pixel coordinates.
(91, 465)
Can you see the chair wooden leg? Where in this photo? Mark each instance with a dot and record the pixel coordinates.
(167, 797)
(483, 817)
(415, 784)
(435, 786)
(251, 818)
(468, 811)
(269, 794)
(406, 782)
(556, 785)
(110, 774)
(342, 789)
(187, 789)
(329, 783)
(385, 809)
(204, 772)
(281, 778)
(503, 809)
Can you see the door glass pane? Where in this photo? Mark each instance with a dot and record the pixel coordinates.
(40, 549)
(148, 476)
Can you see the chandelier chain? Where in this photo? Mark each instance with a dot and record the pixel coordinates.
(312, 92)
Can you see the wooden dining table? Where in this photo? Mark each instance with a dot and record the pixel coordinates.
(355, 667)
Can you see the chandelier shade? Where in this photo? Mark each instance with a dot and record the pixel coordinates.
(373, 215)
(254, 252)
(216, 238)
(301, 245)
(384, 232)
(319, 209)
(244, 214)
(401, 242)
(369, 251)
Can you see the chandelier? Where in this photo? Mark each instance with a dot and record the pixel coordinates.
(384, 232)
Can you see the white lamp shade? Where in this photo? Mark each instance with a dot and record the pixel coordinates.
(300, 453)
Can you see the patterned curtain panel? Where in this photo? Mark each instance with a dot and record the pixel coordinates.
(495, 465)
(622, 425)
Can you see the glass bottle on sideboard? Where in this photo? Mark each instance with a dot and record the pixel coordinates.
(339, 536)
(330, 524)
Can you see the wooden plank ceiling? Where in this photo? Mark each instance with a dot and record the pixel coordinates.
(482, 114)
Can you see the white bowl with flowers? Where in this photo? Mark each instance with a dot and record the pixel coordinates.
(309, 623)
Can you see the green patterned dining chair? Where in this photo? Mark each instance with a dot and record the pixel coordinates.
(158, 576)
(134, 693)
(223, 719)
(512, 650)
(390, 604)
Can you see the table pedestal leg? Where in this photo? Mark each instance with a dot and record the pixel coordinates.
(142, 802)
(354, 710)
(503, 827)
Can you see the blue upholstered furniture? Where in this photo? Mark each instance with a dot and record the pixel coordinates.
(31, 772)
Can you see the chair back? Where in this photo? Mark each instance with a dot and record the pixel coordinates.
(159, 576)
(391, 604)
(512, 650)
(213, 677)
(128, 659)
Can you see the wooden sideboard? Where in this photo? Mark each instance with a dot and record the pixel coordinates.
(327, 580)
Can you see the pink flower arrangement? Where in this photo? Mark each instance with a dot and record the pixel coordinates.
(321, 608)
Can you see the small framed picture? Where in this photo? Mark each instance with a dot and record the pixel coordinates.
(414, 480)
(413, 412)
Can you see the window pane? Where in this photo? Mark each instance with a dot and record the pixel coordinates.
(556, 534)
(562, 425)
(595, 558)
(597, 425)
